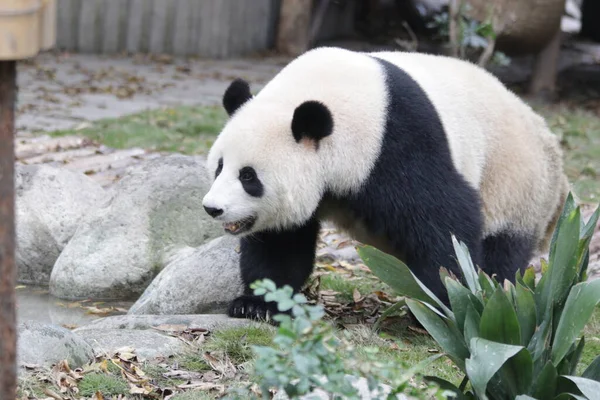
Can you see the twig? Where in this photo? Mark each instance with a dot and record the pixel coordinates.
(487, 52)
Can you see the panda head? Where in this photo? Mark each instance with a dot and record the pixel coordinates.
(266, 163)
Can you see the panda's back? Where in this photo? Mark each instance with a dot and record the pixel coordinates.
(497, 143)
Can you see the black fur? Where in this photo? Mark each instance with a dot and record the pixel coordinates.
(236, 94)
(219, 167)
(414, 195)
(590, 19)
(312, 120)
(287, 258)
(506, 253)
(250, 182)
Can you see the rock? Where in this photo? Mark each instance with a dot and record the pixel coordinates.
(155, 210)
(148, 344)
(43, 345)
(201, 280)
(50, 203)
(144, 332)
(212, 322)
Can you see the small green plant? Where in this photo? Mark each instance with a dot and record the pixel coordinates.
(307, 356)
(468, 35)
(512, 341)
(108, 385)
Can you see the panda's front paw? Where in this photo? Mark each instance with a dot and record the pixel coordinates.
(253, 307)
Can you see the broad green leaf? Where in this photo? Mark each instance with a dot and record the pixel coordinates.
(539, 344)
(445, 385)
(391, 310)
(460, 298)
(570, 396)
(587, 231)
(545, 385)
(397, 274)
(472, 322)
(437, 326)
(589, 388)
(486, 359)
(499, 321)
(563, 264)
(487, 284)
(577, 311)
(529, 278)
(525, 397)
(568, 208)
(593, 370)
(466, 265)
(526, 312)
(573, 358)
(517, 373)
(589, 228)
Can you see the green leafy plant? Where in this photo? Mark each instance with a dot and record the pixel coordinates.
(307, 355)
(512, 341)
(468, 36)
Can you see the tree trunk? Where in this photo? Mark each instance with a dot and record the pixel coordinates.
(8, 333)
(294, 27)
(543, 79)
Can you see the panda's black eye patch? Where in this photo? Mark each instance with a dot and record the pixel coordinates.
(219, 167)
(250, 182)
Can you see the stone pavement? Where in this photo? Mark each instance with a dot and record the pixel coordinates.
(67, 91)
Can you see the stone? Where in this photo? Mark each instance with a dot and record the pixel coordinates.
(155, 210)
(146, 333)
(211, 322)
(201, 280)
(148, 344)
(50, 203)
(44, 344)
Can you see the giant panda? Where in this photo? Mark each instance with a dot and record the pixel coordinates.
(400, 150)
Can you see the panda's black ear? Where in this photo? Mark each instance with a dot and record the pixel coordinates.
(312, 120)
(236, 94)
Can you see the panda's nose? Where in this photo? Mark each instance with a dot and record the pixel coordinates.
(213, 212)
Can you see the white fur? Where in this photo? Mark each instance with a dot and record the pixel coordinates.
(497, 143)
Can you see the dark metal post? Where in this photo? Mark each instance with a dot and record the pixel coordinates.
(8, 322)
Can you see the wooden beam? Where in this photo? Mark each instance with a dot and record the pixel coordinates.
(8, 330)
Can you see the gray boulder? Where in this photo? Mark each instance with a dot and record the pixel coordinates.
(196, 281)
(50, 204)
(155, 210)
(211, 322)
(43, 345)
(148, 344)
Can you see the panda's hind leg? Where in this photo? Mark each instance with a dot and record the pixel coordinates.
(505, 253)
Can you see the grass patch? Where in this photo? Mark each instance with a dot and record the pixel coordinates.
(237, 342)
(364, 283)
(579, 131)
(406, 348)
(185, 129)
(108, 385)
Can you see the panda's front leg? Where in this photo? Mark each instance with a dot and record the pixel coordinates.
(285, 257)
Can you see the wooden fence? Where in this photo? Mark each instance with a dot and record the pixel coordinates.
(205, 28)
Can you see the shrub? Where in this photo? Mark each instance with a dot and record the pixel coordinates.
(307, 356)
(512, 341)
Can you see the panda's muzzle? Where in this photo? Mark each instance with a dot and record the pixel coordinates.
(240, 226)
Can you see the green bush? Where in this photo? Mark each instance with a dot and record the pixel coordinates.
(512, 341)
(307, 355)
